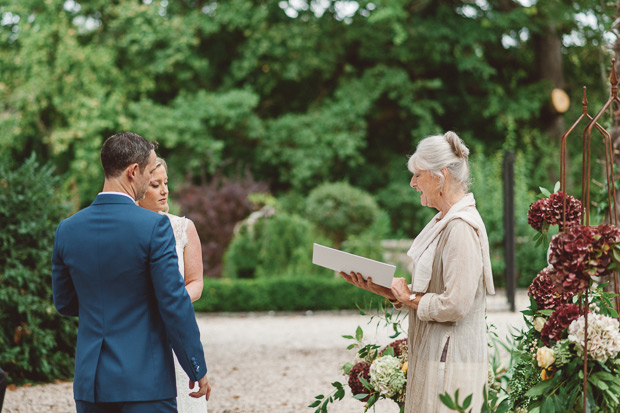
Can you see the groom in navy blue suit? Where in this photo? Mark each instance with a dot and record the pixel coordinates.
(115, 267)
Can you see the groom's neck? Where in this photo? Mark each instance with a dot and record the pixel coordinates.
(118, 185)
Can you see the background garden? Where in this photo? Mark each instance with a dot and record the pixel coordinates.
(283, 123)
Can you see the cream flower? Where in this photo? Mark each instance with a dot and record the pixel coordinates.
(539, 323)
(603, 336)
(545, 357)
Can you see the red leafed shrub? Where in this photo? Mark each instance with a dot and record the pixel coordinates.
(215, 208)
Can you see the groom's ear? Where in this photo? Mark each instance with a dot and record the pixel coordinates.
(132, 171)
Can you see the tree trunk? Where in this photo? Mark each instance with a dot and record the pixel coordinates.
(549, 58)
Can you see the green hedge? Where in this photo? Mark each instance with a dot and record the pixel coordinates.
(36, 343)
(290, 293)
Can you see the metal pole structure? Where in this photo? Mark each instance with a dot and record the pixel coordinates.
(509, 228)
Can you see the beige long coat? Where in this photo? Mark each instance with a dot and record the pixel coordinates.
(447, 334)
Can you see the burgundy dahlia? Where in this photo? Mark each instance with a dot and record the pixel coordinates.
(583, 252)
(550, 211)
(399, 346)
(556, 208)
(536, 216)
(572, 251)
(558, 322)
(360, 369)
(544, 290)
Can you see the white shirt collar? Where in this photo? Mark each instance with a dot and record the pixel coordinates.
(117, 193)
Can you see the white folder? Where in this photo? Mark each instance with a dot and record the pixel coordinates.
(380, 272)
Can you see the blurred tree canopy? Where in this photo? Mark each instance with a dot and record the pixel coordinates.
(300, 92)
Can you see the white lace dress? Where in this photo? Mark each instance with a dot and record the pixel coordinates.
(185, 403)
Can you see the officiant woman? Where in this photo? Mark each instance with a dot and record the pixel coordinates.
(451, 277)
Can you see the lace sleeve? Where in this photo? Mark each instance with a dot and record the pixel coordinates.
(179, 227)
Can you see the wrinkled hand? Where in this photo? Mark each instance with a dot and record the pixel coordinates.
(401, 291)
(357, 280)
(205, 388)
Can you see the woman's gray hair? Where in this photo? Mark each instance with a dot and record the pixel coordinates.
(442, 151)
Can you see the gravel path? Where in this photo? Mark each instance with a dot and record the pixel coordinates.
(267, 362)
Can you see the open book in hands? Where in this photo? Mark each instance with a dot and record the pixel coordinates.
(380, 272)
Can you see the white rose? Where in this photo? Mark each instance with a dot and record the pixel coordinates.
(539, 323)
(545, 357)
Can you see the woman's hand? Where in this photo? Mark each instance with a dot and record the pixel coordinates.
(401, 291)
(357, 280)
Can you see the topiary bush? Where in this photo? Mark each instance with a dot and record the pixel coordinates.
(341, 210)
(272, 244)
(215, 208)
(36, 343)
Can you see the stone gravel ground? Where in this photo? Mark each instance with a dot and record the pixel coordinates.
(268, 362)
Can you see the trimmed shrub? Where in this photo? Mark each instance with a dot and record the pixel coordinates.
(273, 244)
(288, 293)
(341, 210)
(216, 208)
(36, 343)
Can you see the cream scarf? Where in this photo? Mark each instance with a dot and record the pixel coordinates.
(422, 250)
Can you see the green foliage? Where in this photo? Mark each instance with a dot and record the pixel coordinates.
(36, 343)
(271, 246)
(300, 292)
(487, 186)
(339, 210)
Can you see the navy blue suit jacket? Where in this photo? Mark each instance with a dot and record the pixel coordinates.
(115, 267)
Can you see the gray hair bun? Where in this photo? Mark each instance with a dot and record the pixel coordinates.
(457, 145)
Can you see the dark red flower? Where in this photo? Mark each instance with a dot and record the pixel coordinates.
(581, 253)
(556, 208)
(544, 290)
(399, 347)
(558, 322)
(362, 368)
(537, 214)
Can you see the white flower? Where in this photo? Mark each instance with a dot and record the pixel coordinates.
(386, 376)
(539, 323)
(603, 336)
(545, 357)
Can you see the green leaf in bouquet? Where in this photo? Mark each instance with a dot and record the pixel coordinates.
(467, 401)
(544, 191)
(546, 312)
(596, 381)
(346, 368)
(556, 187)
(360, 396)
(314, 403)
(349, 337)
(447, 400)
(548, 405)
(371, 401)
(539, 389)
(365, 383)
(350, 346)
(359, 333)
(389, 351)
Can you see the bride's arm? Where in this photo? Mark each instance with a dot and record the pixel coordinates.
(358, 280)
(192, 256)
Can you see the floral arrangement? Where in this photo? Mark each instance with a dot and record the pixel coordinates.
(376, 372)
(548, 372)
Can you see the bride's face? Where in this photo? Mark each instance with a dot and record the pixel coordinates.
(156, 197)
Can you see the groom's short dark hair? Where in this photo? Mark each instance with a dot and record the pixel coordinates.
(123, 149)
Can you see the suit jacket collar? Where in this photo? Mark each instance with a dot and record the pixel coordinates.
(110, 198)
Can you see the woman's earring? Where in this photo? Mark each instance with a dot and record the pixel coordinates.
(440, 192)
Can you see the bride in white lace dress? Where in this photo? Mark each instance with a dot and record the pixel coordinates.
(190, 265)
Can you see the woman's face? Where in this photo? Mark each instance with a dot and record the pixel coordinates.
(156, 197)
(427, 186)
